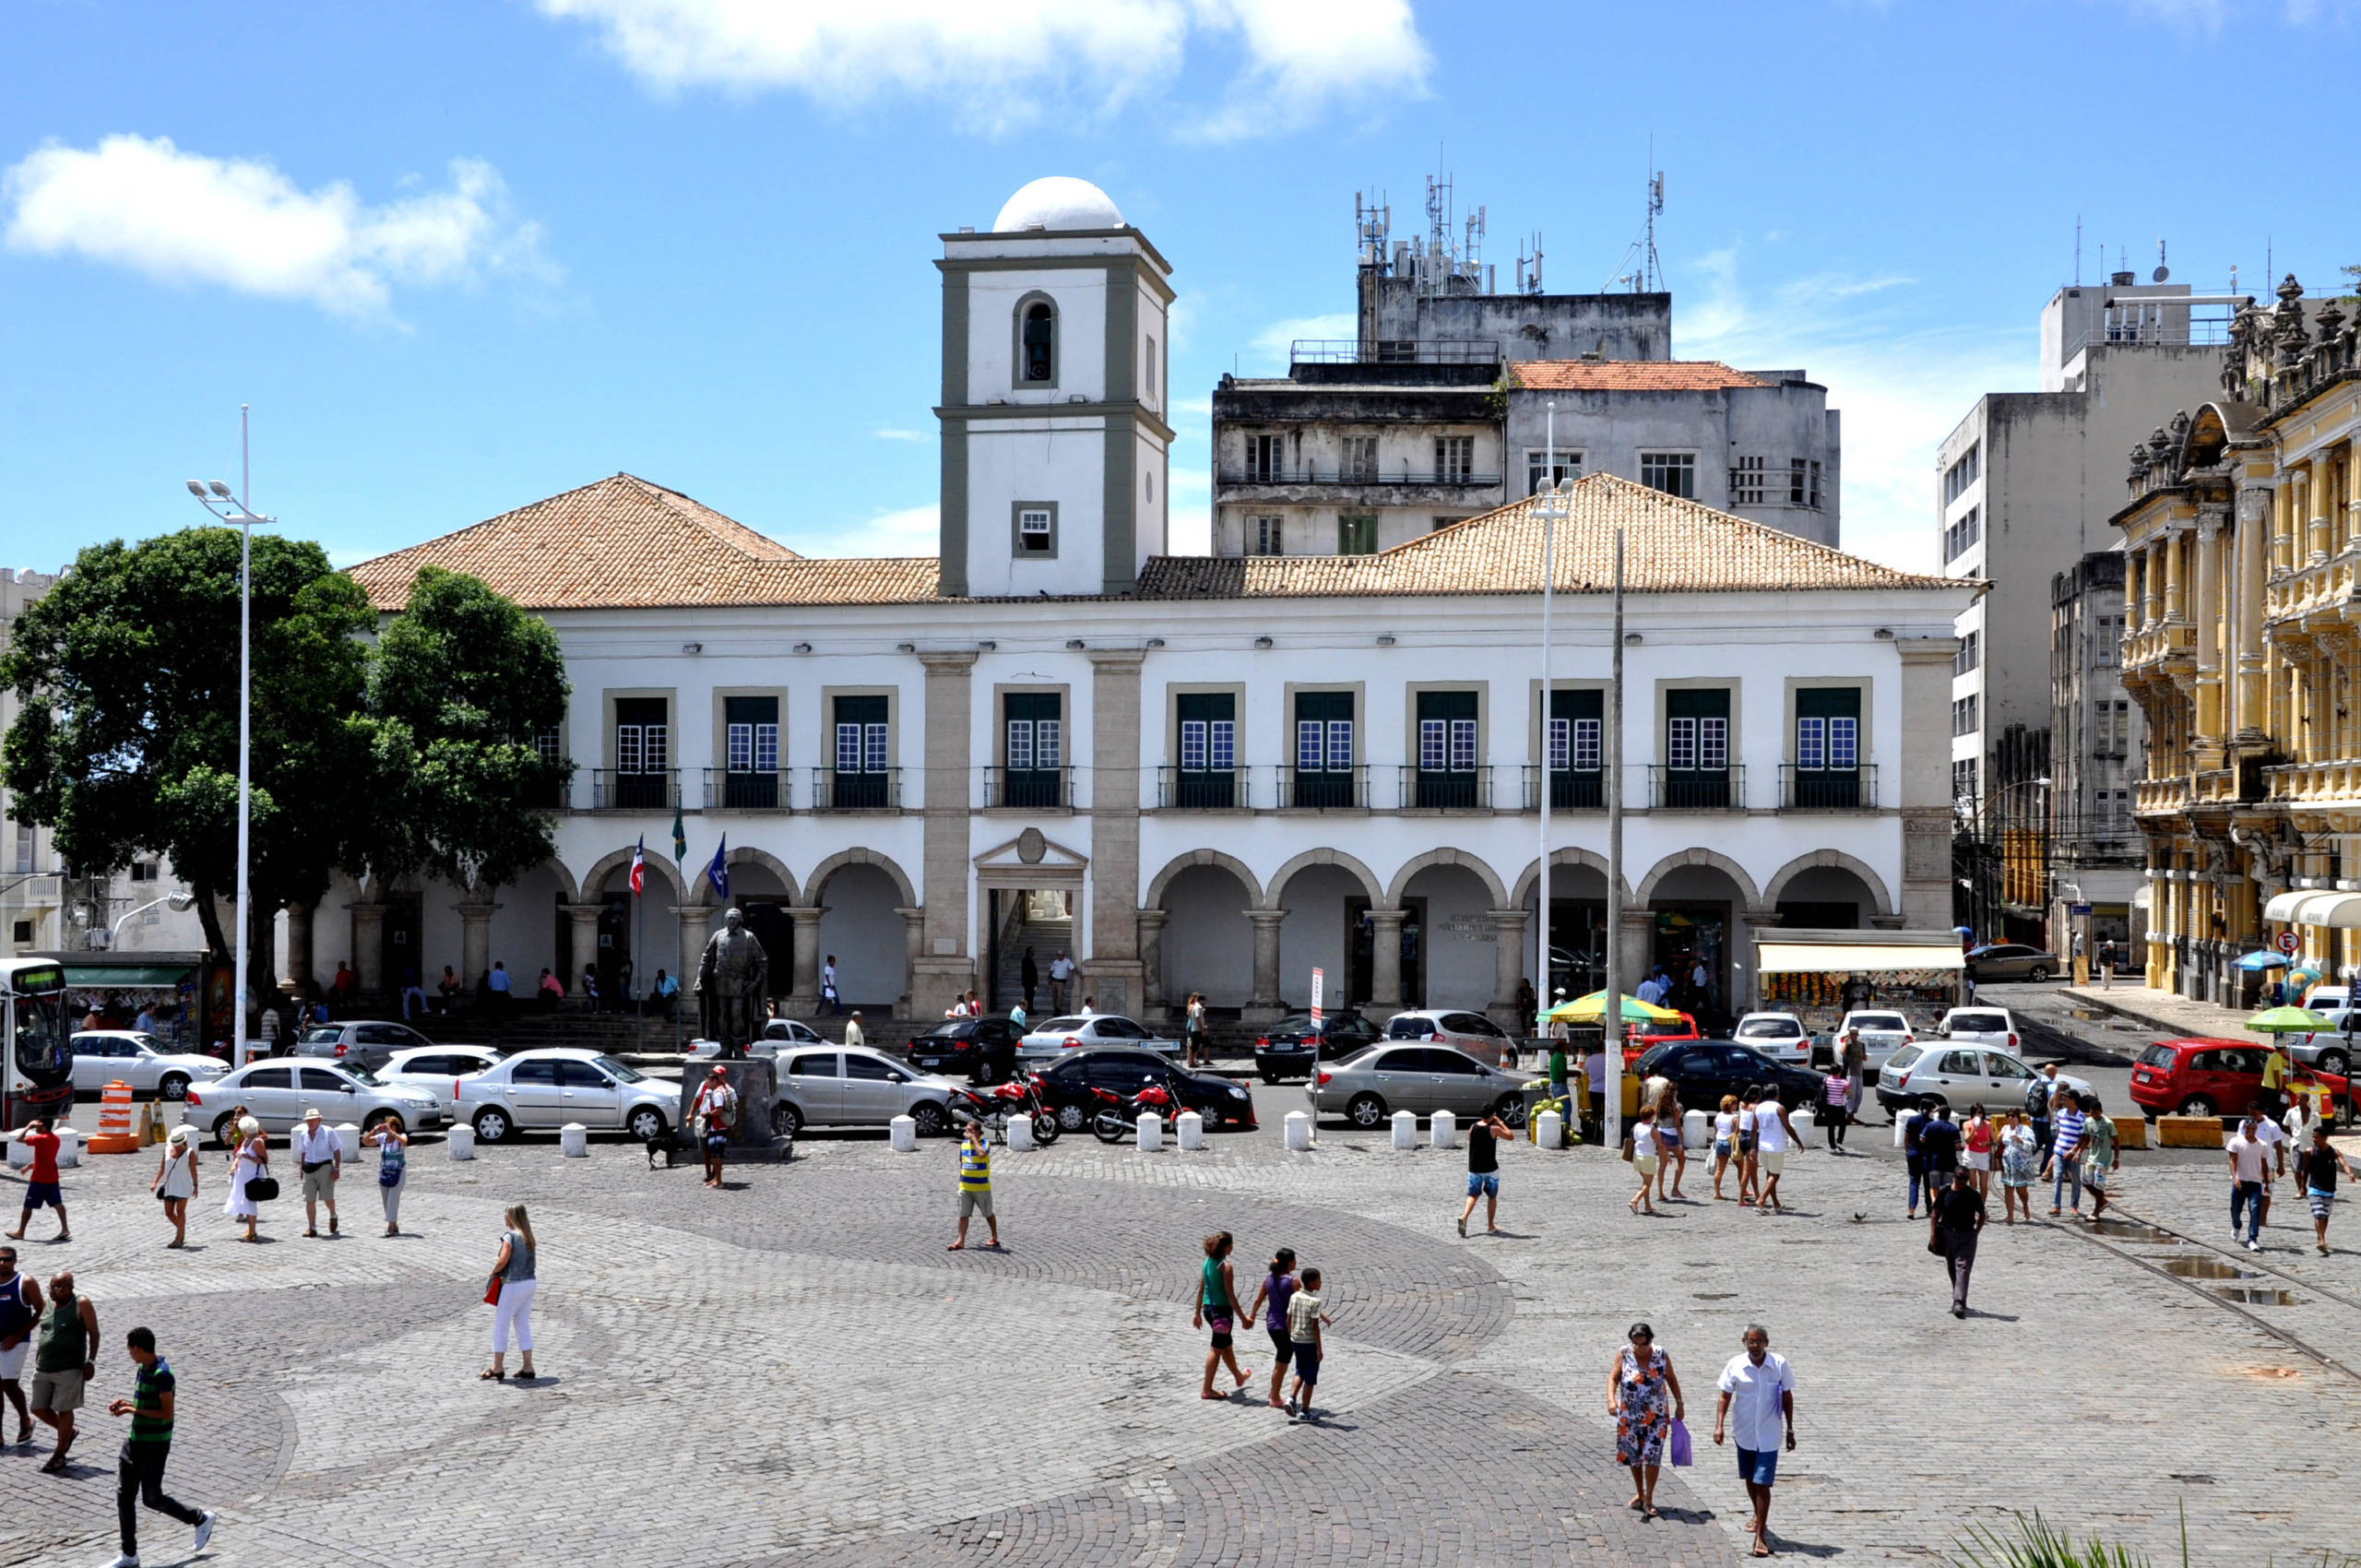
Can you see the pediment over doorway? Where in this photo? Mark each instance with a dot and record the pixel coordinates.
(1031, 858)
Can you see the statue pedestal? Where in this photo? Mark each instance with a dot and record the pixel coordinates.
(752, 1141)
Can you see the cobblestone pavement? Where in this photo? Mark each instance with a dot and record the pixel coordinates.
(794, 1372)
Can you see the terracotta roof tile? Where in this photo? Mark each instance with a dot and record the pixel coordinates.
(1670, 546)
(1628, 375)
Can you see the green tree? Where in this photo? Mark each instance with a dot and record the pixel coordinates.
(127, 738)
(461, 686)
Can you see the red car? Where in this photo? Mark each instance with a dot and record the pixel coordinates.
(2214, 1077)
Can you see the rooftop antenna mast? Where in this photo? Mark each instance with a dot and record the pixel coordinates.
(1529, 281)
(2078, 250)
(1373, 225)
(1652, 278)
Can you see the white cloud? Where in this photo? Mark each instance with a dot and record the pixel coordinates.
(1269, 348)
(1900, 388)
(238, 223)
(899, 435)
(913, 530)
(1020, 62)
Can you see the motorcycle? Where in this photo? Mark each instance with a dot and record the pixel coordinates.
(1117, 1118)
(996, 1105)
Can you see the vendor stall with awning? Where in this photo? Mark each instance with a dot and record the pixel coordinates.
(1806, 972)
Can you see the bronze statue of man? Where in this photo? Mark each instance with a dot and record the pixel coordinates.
(732, 979)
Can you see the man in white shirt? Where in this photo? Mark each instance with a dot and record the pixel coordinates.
(2250, 1180)
(2273, 1138)
(1060, 972)
(828, 986)
(320, 1154)
(1758, 1398)
(853, 1035)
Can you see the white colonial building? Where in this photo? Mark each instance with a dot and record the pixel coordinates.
(1194, 773)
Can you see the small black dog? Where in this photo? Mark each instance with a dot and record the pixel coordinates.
(672, 1144)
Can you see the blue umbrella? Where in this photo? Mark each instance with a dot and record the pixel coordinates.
(2263, 959)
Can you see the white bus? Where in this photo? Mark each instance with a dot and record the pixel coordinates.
(38, 1074)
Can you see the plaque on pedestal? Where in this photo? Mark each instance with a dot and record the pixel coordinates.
(752, 1141)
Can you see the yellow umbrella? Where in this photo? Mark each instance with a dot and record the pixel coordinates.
(1591, 1009)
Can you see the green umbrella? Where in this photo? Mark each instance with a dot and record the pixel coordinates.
(1592, 1008)
(2287, 1021)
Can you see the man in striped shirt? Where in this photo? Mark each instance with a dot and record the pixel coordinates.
(976, 1183)
(2066, 1145)
(139, 1474)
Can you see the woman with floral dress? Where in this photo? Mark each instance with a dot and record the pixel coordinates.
(1643, 1395)
(2019, 1156)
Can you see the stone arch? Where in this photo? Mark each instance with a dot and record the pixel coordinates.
(816, 883)
(746, 855)
(1568, 855)
(594, 881)
(568, 883)
(1695, 857)
(1324, 857)
(1840, 860)
(1447, 856)
(1194, 858)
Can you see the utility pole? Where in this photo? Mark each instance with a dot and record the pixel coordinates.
(1611, 1016)
(209, 495)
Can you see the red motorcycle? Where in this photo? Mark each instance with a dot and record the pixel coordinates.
(994, 1106)
(1118, 1118)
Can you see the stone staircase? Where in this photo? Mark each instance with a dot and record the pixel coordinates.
(1047, 938)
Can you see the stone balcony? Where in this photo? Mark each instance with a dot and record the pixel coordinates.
(2317, 783)
(2325, 587)
(2155, 647)
(2172, 793)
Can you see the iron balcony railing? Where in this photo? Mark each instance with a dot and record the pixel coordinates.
(1445, 790)
(612, 790)
(1324, 788)
(1255, 473)
(877, 790)
(1392, 350)
(1571, 789)
(1827, 788)
(727, 789)
(1204, 789)
(1696, 790)
(1028, 788)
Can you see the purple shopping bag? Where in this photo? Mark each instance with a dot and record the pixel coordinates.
(1681, 1457)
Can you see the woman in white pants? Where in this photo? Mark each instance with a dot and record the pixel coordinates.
(515, 1268)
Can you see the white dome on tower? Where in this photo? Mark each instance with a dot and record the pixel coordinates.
(1058, 201)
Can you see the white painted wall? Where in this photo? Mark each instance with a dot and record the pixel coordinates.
(1208, 943)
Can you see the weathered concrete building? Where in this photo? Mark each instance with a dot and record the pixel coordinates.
(2097, 737)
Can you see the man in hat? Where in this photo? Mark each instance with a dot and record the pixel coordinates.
(320, 1153)
(716, 1109)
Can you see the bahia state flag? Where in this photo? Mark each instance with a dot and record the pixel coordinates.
(639, 866)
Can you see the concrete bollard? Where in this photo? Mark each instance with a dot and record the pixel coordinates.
(1020, 1132)
(1696, 1130)
(347, 1135)
(573, 1141)
(1443, 1130)
(1190, 1129)
(1405, 1130)
(1299, 1130)
(69, 1146)
(1151, 1132)
(1550, 1130)
(20, 1155)
(905, 1131)
(460, 1140)
(1804, 1124)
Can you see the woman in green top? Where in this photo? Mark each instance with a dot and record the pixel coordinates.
(1217, 1308)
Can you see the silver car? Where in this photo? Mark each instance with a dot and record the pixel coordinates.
(1421, 1079)
(779, 1034)
(276, 1093)
(1960, 1076)
(1051, 1038)
(363, 1042)
(2331, 1049)
(832, 1086)
(130, 1056)
(540, 1090)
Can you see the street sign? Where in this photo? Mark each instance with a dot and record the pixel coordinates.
(2288, 943)
(1320, 979)
(2077, 911)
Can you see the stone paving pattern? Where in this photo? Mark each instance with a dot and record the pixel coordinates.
(794, 1372)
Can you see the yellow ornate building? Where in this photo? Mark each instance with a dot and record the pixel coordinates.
(2242, 643)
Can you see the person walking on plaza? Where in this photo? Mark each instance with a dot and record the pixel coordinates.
(1836, 1110)
(1975, 1145)
(514, 1270)
(248, 1160)
(19, 1310)
(2101, 1156)
(2322, 1168)
(1218, 1310)
(829, 998)
(1306, 1344)
(139, 1473)
(1279, 1285)
(65, 1341)
(1644, 1158)
(1193, 1028)
(175, 1182)
(1673, 1152)
(975, 1183)
(2273, 1139)
(1750, 1169)
(1913, 1155)
(1028, 976)
(2249, 1179)
(42, 1188)
(2065, 1149)
(1758, 1395)
(1857, 1066)
(713, 1112)
(1954, 1218)
(1643, 1398)
(1774, 1137)
(2020, 1157)
(1937, 1150)
(319, 1154)
(2040, 1096)
(393, 1169)
(1484, 1137)
(270, 1026)
(1725, 1142)
(1061, 975)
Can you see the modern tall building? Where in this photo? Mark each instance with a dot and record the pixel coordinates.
(2098, 738)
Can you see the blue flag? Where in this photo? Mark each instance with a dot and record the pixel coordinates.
(718, 872)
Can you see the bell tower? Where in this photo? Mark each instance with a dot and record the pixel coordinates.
(1055, 404)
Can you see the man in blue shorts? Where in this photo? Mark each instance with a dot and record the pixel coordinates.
(1758, 1398)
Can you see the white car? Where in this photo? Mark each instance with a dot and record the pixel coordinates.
(779, 1034)
(1960, 1077)
(1055, 1036)
(104, 1056)
(1883, 1032)
(435, 1068)
(1456, 1027)
(1780, 1035)
(536, 1090)
(2333, 1049)
(1979, 1026)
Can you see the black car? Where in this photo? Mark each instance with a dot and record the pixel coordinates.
(1066, 1085)
(983, 1050)
(1286, 1051)
(1703, 1070)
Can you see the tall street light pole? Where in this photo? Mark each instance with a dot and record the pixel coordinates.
(214, 496)
(1611, 1016)
(1554, 500)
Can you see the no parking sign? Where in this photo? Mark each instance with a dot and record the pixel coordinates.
(2289, 942)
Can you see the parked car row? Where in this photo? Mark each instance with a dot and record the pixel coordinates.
(2217, 1077)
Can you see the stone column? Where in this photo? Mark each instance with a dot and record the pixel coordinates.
(1924, 795)
(803, 1000)
(1507, 968)
(2210, 729)
(1385, 958)
(1265, 1008)
(2283, 525)
(475, 945)
(946, 967)
(697, 921)
(299, 979)
(1639, 948)
(2253, 518)
(368, 944)
(914, 929)
(1115, 967)
(1152, 997)
(2152, 580)
(2312, 517)
(1750, 985)
(583, 949)
(2175, 592)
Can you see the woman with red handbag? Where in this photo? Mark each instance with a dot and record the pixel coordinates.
(510, 1293)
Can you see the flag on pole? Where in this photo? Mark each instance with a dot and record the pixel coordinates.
(639, 866)
(719, 871)
(680, 838)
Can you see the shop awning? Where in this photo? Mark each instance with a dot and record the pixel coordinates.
(111, 977)
(1865, 952)
(2283, 907)
(2341, 910)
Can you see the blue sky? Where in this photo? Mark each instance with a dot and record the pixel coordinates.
(460, 256)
